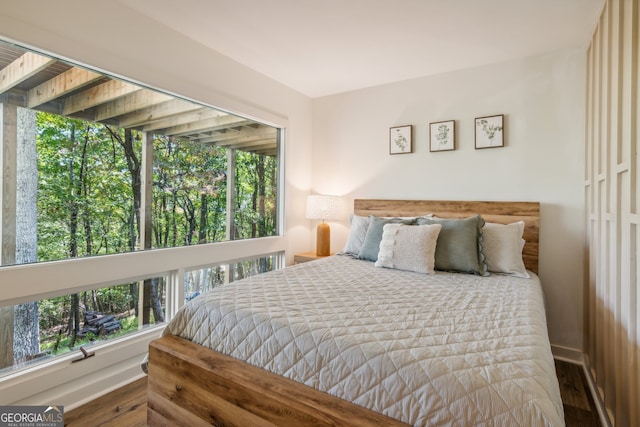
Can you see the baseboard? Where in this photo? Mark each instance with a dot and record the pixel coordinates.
(572, 355)
(597, 400)
(567, 354)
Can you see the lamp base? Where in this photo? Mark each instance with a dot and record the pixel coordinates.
(323, 239)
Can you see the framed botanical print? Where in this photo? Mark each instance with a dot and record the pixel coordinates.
(442, 136)
(401, 139)
(490, 131)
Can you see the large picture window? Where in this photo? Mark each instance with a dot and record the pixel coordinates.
(93, 166)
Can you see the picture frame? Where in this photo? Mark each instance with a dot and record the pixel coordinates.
(489, 131)
(442, 136)
(401, 139)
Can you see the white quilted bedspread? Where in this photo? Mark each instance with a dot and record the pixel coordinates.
(445, 349)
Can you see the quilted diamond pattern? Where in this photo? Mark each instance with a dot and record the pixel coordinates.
(444, 349)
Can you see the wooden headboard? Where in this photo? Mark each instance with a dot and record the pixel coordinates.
(498, 212)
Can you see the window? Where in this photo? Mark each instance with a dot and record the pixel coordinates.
(202, 280)
(69, 322)
(83, 319)
(96, 166)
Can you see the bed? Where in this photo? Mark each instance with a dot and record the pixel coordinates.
(349, 341)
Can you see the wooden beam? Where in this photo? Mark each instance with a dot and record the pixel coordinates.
(146, 190)
(271, 152)
(60, 85)
(231, 198)
(130, 103)
(157, 112)
(97, 95)
(203, 113)
(258, 149)
(261, 145)
(15, 96)
(251, 145)
(8, 187)
(224, 139)
(21, 69)
(215, 123)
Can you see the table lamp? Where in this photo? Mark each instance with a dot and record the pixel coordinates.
(324, 208)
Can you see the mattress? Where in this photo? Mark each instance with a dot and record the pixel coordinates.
(442, 349)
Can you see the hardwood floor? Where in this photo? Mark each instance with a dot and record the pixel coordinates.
(124, 407)
(579, 409)
(127, 406)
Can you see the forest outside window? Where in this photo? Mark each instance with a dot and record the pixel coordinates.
(93, 166)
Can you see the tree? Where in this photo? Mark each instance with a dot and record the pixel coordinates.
(75, 189)
(26, 341)
(132, 154)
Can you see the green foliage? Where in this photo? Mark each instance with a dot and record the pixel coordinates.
(89, 197)
(255, 196)
(85, 176)
(189, 193)
(81, 172)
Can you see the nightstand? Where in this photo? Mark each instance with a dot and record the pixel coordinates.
(306, 257)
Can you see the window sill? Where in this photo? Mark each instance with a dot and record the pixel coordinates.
(62, 382)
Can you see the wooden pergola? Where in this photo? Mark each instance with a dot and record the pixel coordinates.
(41, 83)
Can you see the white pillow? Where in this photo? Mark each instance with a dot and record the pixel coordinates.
(409, 247)
(359, 227)
(502, 247)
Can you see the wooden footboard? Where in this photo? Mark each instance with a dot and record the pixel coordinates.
(190, 385)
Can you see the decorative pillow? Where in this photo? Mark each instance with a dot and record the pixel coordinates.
(371, 244)
(414, 218)
(359, 226)
(358, 231)
(409, 247)
(502, 246)
(459, 247)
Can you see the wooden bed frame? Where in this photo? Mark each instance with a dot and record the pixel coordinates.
(191, 385)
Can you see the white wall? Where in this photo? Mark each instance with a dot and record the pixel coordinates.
(542, 98)
(111, 37)
(543, 101)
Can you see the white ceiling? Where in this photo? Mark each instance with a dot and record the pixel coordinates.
(323, 47)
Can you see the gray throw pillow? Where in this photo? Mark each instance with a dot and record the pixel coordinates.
(357, 233)
(459, 246)
(371, 245)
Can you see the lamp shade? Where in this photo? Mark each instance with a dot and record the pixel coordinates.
(324, 207)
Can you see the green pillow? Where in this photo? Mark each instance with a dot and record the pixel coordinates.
(371, 244)
(459, 246)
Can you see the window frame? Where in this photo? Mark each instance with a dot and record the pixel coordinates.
(118, 359)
